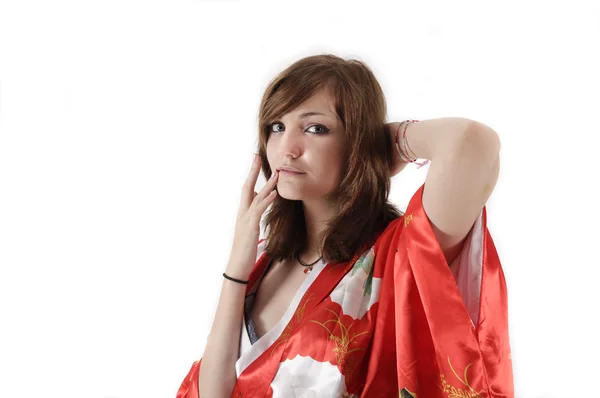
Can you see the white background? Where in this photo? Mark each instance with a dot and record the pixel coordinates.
(127, 129)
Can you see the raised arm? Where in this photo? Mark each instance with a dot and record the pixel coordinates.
(465, 163)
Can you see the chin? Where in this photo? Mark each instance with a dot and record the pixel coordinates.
(298, 194)
(290, 194)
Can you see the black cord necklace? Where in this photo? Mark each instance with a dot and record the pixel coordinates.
(307, 267)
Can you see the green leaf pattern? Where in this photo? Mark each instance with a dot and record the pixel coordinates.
(365, 262)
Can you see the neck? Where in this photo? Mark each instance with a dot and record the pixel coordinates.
(316, 216)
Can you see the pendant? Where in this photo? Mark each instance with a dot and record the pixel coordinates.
(308, 269)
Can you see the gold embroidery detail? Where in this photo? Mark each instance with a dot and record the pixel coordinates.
(285, 336)
(342, 342)
(331, 267)
(407, 219)
(454, 392)
(295, 321)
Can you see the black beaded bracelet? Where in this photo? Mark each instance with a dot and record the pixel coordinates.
(235, 280)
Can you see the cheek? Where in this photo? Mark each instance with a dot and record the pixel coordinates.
(339, 168)
(331, 167)
(335, 160)
(269, 157)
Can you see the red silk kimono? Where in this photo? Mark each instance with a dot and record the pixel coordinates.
(395, 321)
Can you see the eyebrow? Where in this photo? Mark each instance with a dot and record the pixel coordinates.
(307, 114)
(312, 113)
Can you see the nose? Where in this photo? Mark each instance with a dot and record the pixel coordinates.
(291, 142)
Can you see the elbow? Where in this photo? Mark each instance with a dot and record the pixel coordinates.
(482, 139)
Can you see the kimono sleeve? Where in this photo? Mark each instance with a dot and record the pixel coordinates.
(189, 387)
(457, 315)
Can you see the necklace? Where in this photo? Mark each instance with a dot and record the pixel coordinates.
(307, 267)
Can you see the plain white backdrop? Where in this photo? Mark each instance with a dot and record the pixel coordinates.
(127, 129)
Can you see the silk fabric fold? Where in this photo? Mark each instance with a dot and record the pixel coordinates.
(396, 320)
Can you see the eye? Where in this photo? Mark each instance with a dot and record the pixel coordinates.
(318, 128)
(275, 124)
(323, 129)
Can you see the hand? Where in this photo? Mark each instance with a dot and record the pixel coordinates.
(398, 164)
(247, 228)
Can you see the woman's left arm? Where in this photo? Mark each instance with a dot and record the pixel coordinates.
(464, 168)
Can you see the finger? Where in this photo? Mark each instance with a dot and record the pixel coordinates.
(268, 188)
(248, 188)
(262, 206)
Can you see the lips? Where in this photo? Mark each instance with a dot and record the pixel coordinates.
(290, 172)
(286, 169)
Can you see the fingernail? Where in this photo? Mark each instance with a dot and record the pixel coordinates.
(255, 157)
(273, 175)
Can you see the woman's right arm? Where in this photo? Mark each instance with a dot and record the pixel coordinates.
(217, 374)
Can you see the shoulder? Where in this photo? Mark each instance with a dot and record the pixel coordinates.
(391, 233)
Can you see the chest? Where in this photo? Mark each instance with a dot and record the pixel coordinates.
(275, 294)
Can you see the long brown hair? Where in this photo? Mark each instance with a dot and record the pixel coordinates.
(362, 206)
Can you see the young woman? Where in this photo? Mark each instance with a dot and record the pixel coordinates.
(347, 296)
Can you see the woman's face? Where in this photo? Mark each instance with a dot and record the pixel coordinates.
(309, 139)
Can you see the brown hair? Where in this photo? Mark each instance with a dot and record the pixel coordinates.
(363, 209)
